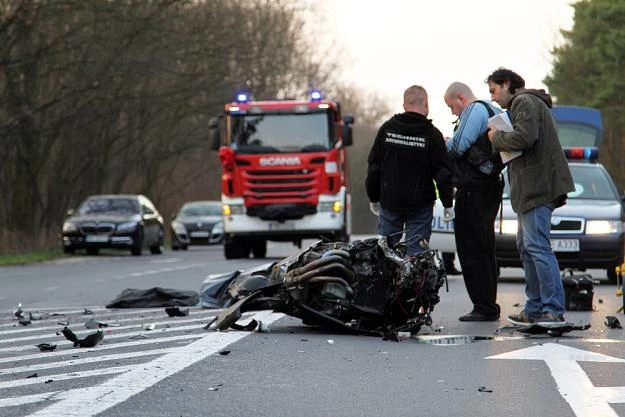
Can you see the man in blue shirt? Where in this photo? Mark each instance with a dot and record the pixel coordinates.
(478, 196)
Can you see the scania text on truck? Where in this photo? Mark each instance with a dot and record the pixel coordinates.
(284, 172)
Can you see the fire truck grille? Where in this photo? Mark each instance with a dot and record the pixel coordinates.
(288, 184)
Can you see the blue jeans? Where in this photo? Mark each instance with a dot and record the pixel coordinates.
(543, 284)
(418, 226)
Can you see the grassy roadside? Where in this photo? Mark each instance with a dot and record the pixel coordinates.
(31, 257)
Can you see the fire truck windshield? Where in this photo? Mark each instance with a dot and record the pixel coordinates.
(254, 133)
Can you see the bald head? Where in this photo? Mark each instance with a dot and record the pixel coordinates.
(416, 100)
(458, 96)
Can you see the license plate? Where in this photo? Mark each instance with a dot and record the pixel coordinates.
(199, 233)
(281, 226)
(97, 238)
(565, 245)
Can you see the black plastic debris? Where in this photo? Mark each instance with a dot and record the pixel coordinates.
(612, 322)
(176, 312)
(90, 340)
(24, 321)
(224, 352)
(248, 327)
(94, 324)
(46, 347)
(484, 389)
(154, 297)
(19, 312)
(47, 381)
(35, 375)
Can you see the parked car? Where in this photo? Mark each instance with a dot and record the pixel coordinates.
(197, 223)
(587, 232)
(120, 221)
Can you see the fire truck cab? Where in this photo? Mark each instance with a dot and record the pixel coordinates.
(284, 172)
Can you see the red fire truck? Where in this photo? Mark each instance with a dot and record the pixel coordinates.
(284, 172)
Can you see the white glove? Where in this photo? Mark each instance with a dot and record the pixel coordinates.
(448, 214)
(375, 208)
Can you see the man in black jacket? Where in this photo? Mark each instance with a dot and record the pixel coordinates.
(408, 155)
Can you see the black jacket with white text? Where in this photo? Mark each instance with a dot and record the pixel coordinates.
(407, 155)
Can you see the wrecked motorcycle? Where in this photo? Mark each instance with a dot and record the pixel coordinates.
(360, 287)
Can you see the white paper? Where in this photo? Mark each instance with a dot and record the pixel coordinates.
(502, 122)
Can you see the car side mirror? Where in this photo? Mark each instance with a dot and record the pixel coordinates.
(348, 120)
(69, 213)
(214, 134)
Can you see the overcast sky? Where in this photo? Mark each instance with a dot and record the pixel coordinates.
(393, 44)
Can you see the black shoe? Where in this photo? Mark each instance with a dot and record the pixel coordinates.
(453, 271)
(477, 316)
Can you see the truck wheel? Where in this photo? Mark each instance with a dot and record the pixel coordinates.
(234, 249)
(93, 251)
(69, 250)
(259, 249)
(611, 272)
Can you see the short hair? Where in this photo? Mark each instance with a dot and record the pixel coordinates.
(456, 88)
(501, 75)
(415, 95)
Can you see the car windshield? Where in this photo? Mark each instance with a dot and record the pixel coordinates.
(591, 183)
(197, 210)
(110, 205)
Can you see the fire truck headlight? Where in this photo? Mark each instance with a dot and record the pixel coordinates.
(337, 206)
(230, 209)
(508, 227)
(331, 168)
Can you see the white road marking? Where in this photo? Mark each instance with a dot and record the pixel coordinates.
(26, 399)
(114, 332)
(82, 361)
(573, 384)
(93, 400)
(65, 352)
(66, 376)
(136, 315)
(150, 334)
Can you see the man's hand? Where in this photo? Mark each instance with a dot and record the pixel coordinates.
(491, 132)
(375, 208)
(448, 214)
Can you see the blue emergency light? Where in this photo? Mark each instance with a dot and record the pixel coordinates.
(585, 153)
(315, 95)
(242, 97)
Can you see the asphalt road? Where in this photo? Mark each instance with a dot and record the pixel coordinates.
(150, 364)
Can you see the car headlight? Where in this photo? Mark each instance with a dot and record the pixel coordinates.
(69, 227)
(178, 227)
(602, 227)
(127, 227)
(508, 227)
(218, 228)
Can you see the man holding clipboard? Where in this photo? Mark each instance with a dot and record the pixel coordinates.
(539, 182)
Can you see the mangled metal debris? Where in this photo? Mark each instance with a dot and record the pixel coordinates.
(361, 287)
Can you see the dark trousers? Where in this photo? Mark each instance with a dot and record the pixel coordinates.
(476, 210)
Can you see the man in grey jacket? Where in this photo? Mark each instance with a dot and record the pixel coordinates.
(539, 182)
